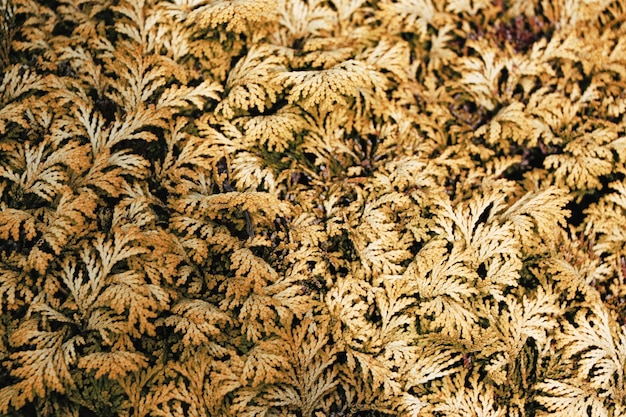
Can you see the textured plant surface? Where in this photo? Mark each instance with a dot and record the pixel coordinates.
(312, 208)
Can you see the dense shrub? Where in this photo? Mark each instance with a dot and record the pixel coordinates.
(322, 208)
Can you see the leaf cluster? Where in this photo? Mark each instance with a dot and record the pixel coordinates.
(312, 208)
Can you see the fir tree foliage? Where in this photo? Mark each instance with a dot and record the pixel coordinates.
(312, 208)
